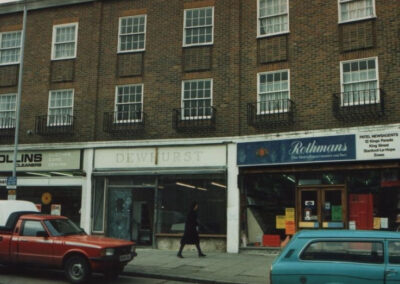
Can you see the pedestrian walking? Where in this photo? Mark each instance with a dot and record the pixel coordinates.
(191, 236)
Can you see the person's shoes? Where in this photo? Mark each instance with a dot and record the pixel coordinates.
(202, 255)
(179, 255)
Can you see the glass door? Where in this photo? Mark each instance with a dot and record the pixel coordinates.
(119, 213)
(308, 208)
(321, 207)
(334, 208)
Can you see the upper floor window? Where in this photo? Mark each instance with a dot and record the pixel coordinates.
(198, 26)
(129, 103)
(10, 47)
(7, 110)
(360, 84)
(273, 92)
(132, 33)
(351, 10)
(197, 99)
(273, 17)
(61, 104)
(65, 38)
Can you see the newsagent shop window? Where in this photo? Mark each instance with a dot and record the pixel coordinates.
(176, 193)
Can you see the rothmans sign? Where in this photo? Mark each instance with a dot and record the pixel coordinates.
(383, 145)
(41, 160)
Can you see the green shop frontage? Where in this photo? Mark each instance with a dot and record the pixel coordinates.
(319, 181)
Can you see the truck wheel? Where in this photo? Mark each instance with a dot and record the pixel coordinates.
(77, 269)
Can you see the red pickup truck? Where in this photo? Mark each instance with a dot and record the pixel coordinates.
(55, 241)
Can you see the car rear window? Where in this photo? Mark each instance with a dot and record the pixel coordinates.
(348, 251)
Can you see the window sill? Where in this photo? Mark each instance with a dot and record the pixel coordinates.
(273, 35)
(131, 51)
(198, 45)
(357, 20)
(64, 58)
(9, 64)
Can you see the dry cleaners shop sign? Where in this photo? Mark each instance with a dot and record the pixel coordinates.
(359, 146)
(164, 157)
(41, 160)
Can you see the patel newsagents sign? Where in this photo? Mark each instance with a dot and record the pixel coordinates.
(302, 150)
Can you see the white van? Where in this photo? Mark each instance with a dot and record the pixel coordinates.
(9, 206)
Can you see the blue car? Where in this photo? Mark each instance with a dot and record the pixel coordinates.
(339, 257)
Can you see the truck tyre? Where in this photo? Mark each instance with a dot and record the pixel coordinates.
(77, 269)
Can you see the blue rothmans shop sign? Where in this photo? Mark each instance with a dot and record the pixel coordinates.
(302, 150)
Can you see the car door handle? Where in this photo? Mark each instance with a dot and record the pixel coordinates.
(391, 271)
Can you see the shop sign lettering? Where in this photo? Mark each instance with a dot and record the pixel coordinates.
(302, 150)
(160, 157)
(41, 160)
(383, 145)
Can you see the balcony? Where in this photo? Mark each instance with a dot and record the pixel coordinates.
(7, 127)
(123, 122)
(194, 118)
(359, 105)
(54, 125)
(270, 113)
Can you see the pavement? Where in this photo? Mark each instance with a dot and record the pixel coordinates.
(216, 267)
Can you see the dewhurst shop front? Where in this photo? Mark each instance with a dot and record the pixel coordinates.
(346, 179)
(144, 193)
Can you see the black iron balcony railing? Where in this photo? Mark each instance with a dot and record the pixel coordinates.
(359, 104)
(7, 126)
(193, 118)
(54, 124)
(271, 112)
(123, 121)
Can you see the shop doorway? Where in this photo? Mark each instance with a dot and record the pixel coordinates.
(321, 207)
(130, 214)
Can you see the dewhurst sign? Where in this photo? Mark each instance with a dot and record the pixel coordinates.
(302, 150)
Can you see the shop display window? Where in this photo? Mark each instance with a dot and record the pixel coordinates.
(69, 199)
(265, 197)
(175, 195)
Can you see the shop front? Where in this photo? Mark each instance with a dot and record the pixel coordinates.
(344, 181)
(52, 179)
(144, 194)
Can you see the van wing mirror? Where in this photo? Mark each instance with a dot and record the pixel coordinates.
(43, 234)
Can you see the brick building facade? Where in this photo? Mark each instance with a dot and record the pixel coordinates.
(130, 83)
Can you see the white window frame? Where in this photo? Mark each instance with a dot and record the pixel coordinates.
(3, 49)
(184, 27)
(9, 111)
(259, 35)
(183, 117)
(378, 99)
(286, 109)
(53, 44)
(354, 20)
(115, 120)
(49, 104)
(120, 35)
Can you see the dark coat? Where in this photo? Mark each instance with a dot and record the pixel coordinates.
(190, 236)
